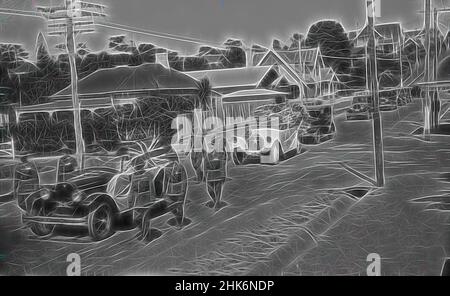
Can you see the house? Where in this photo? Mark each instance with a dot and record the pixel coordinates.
(389, 38)
(245, 89)
(308, 60)
(125, 103)
(121, 86)
(306, 67)
(225, 81)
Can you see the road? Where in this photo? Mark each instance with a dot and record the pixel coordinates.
(268, 205)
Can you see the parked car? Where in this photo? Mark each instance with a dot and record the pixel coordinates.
(388, 100)
(404, 97)
(105, 198)
(7, 180)
(271, 144)
(387, 105)
(361, 109)
(320, 128)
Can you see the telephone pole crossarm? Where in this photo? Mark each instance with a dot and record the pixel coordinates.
(72, 18)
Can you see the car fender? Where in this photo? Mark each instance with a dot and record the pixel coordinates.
(96, 199)
(27, 202)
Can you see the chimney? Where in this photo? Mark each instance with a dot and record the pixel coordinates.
(163, 59)
(373, 8)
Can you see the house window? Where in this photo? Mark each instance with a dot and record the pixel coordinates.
(4, 120)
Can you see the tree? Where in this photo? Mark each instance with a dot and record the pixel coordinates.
(276, 44)
(333, 42)
(296, 40)
(204, 90)
(43, 57)
(234, 57)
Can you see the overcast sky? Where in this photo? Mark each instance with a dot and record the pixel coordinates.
(255, 21)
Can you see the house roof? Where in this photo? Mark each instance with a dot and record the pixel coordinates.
(413, 33)
(352, 34)
(222, 78)
(308, 56)
(278, 60)
(385, 31)
(66, 105)
(25, 67)
(131, 79)
(252, 95)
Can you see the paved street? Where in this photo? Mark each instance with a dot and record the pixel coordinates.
(269, 205)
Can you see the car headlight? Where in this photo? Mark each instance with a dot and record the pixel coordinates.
(45, 194)
(78, 196)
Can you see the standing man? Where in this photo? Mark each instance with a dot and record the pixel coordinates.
(215, 171)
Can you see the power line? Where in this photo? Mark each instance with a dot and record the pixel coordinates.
(118, 27)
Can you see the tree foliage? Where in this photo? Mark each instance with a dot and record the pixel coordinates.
(333, 42)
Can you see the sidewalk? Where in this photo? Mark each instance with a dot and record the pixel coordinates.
(411, 239)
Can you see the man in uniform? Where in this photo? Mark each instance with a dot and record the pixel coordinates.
(215, 171)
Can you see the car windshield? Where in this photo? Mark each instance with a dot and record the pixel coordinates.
(357, 100)
(109, 162)
(46, 169)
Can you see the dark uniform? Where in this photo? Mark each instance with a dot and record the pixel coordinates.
(172, 188)
(215, 170)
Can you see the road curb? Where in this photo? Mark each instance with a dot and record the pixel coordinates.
(305, 239)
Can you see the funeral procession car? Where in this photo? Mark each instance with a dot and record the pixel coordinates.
(319, 127)
(271, 144)
(361, 108)
(102, 198)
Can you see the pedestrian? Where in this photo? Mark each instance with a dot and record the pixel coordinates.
(215, 169)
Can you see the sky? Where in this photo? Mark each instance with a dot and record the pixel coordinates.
(255, 21)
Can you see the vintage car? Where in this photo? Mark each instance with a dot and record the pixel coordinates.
(270, 144)
(319, 128)
(388, 100)
(404, 97)
(7, 180)
(361, 109)
(103, 198)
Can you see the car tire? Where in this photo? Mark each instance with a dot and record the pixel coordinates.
(275, 154)
(100, 222)
(38, 229)
(238, 157)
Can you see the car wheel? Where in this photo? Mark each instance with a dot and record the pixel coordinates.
(39, 229)
(275, 154)
(238, 158)
(100, 222)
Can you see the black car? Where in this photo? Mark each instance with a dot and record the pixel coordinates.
(361, 108)
(319, 128)
(388, 100)
(102, 199)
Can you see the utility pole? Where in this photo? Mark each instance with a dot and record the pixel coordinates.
(72, 18)
(427, 105)
(435, 103)
(374, 91)
(432, 106)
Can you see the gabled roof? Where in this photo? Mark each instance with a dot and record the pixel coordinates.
(413, 33)
(222, 78)
(308, 56)
(352, 34)
(278, 60)
(130, 79)
(386, 31)
(328, 74)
